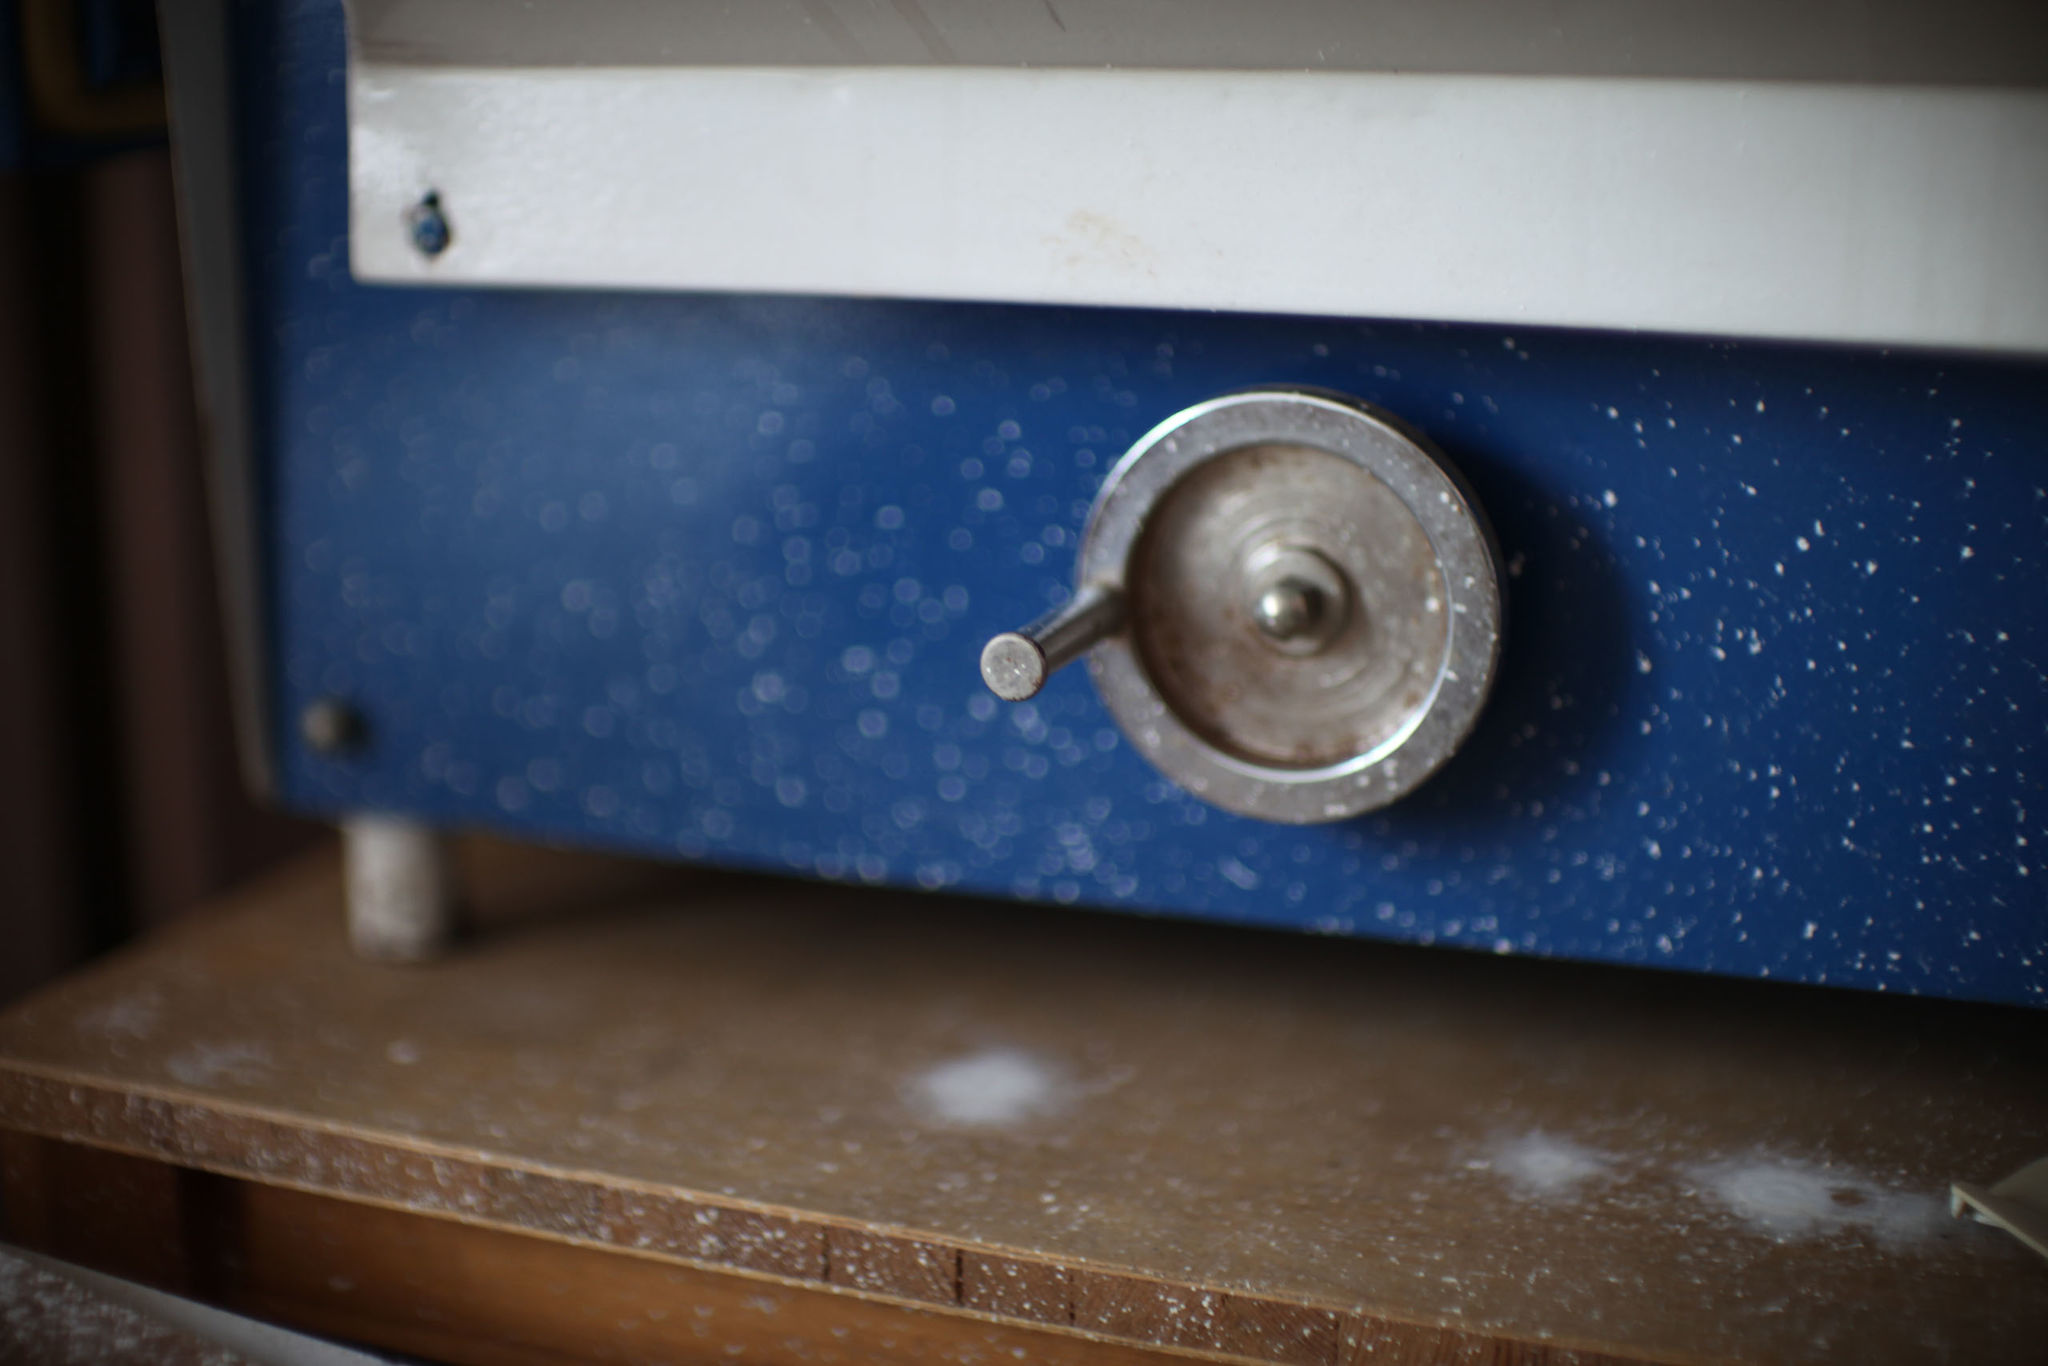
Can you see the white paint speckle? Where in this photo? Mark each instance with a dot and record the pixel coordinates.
(1537, 1165)
(210, 1064)
(1788, 1198)
(995, 1086)
(131, 1017)
(1238, 874)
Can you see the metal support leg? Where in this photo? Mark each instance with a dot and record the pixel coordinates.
(400, 887)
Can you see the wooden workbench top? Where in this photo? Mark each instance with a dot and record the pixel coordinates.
(1283, 1148)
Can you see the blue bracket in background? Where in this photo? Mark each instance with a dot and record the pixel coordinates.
(707, 576)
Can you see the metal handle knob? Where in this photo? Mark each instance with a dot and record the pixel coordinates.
(1016, 664)
(1294, 607)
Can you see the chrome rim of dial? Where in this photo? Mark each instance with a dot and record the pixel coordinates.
(1312, 604)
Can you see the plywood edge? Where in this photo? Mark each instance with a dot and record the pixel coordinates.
(727, 1234)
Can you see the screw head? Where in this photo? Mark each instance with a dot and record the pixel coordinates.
(1298, 600)
(427, 224)
(1289, 609)
(331, 727)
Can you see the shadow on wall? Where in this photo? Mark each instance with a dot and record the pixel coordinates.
(120, 801)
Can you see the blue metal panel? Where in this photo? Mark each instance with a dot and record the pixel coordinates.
(707, 577)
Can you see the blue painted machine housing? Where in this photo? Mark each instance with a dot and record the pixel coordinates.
(707, 577)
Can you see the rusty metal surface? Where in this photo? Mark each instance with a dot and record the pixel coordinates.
(1191, 602)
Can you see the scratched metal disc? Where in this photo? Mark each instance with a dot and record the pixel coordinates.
(1191, 594)
(1352, 704)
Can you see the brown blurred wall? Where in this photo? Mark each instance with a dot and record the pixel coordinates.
(44, 896)
(120, 801)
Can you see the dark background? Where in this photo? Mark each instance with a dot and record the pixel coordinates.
(120, 801)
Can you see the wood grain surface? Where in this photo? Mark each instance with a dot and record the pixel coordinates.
(456, 1292)
(1099, 1130)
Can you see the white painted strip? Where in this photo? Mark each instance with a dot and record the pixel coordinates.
(1847, 213)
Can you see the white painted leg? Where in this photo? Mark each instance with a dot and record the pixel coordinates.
(400, 886)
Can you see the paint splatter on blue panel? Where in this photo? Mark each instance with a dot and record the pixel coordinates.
(708, 577)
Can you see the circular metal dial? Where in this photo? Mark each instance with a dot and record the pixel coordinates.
(1312, 604)
(1377, 632)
